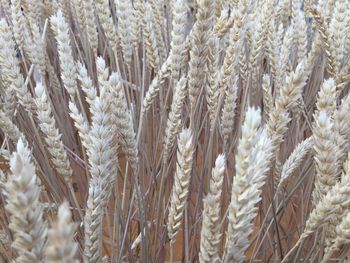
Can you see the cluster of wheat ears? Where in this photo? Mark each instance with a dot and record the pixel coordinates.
(174, 130)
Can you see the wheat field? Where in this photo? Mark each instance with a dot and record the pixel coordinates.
(174, 131)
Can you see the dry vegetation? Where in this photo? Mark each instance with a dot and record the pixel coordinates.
(174, 130)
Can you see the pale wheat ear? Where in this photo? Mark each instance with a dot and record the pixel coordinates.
(199, 50)
(47, 124)
(11, 75)
(253, 159)
(211, 228)
(331, 206)
(295, 159)
(178, 36)
(90, 24)
(175, 119)
(155, 85)
(181, 184)
(152, 54)
(60, 245)
(68, 70)
(26, 212)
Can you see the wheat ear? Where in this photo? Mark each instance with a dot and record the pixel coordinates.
(103, 173)
(90, 23)
(212, 87)
(18, 22)
(123, 122)
(301, 38)
(86, 83)
(287, 99)
(326, 99)
(150, 39)
(210, 234)
(228, 112)
(127, 24)
(61, 247)
(337, 199)
(181, 183)
(178, 36)
(26, 211)
(199, 50)
(322, 28)
(337, 30)
(93, 221)
(12, 77)
(295, 159)
(174, 120)
(68, 68)
(326, 156)
(252, 162)
(10, 129)
(106, 21)
(81, 124)
(52, 135)
(342, 237)
(155, 85)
